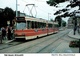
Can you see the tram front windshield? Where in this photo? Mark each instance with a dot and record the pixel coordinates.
(20, 25)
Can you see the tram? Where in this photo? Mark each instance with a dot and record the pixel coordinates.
(31, 28)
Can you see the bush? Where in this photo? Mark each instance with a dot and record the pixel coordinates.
(74, 44)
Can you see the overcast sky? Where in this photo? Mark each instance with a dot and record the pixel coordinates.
(41, 6)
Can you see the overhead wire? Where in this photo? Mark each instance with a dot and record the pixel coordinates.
(39, 1)
(28, 8)
(39, 4)
(24, 1)
(44, 11)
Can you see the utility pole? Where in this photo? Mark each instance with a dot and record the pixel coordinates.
(16, 9)
(49, 15)
(48, 22)
(61, 23)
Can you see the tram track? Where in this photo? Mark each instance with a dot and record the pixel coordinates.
(37, 46)
(53, 42)
(52, 46)
(49, 39)
(11, 44)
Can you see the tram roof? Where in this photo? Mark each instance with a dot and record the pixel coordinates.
(37, 20)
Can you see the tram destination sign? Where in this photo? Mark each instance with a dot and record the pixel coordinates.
(20, 18)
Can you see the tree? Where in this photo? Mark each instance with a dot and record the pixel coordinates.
(51, 20)
(63, 23)
(55, 2)
(1, 17)
(7, 15)
(73, 3)
(59, 20)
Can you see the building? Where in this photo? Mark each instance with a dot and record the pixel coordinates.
(77, 16)
(1, 10)
(70, 24)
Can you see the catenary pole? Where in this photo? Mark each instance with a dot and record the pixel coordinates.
(16, 8)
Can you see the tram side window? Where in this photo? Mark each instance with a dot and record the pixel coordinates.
(50, 25)
(28, 24)
(44, 25)
(21, 25)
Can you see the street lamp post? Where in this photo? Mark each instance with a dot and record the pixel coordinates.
(16, 8)
(48, 23)
(49, 15)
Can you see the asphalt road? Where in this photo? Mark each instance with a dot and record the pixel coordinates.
(55, 43)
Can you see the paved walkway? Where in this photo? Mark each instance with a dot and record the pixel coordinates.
(77, 36)
(6, 41)
(64, 48)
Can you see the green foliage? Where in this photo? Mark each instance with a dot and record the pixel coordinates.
(57, 12)
(58, 19)
(75, 43)
(51, 20)
(60, 11)
(9, 13)
(55, 2)
(51, 2)
(73, 3)
(63, 23)
(6, 15)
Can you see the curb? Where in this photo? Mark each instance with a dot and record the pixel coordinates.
(69, 34)
(72, 37)
(9, 41)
